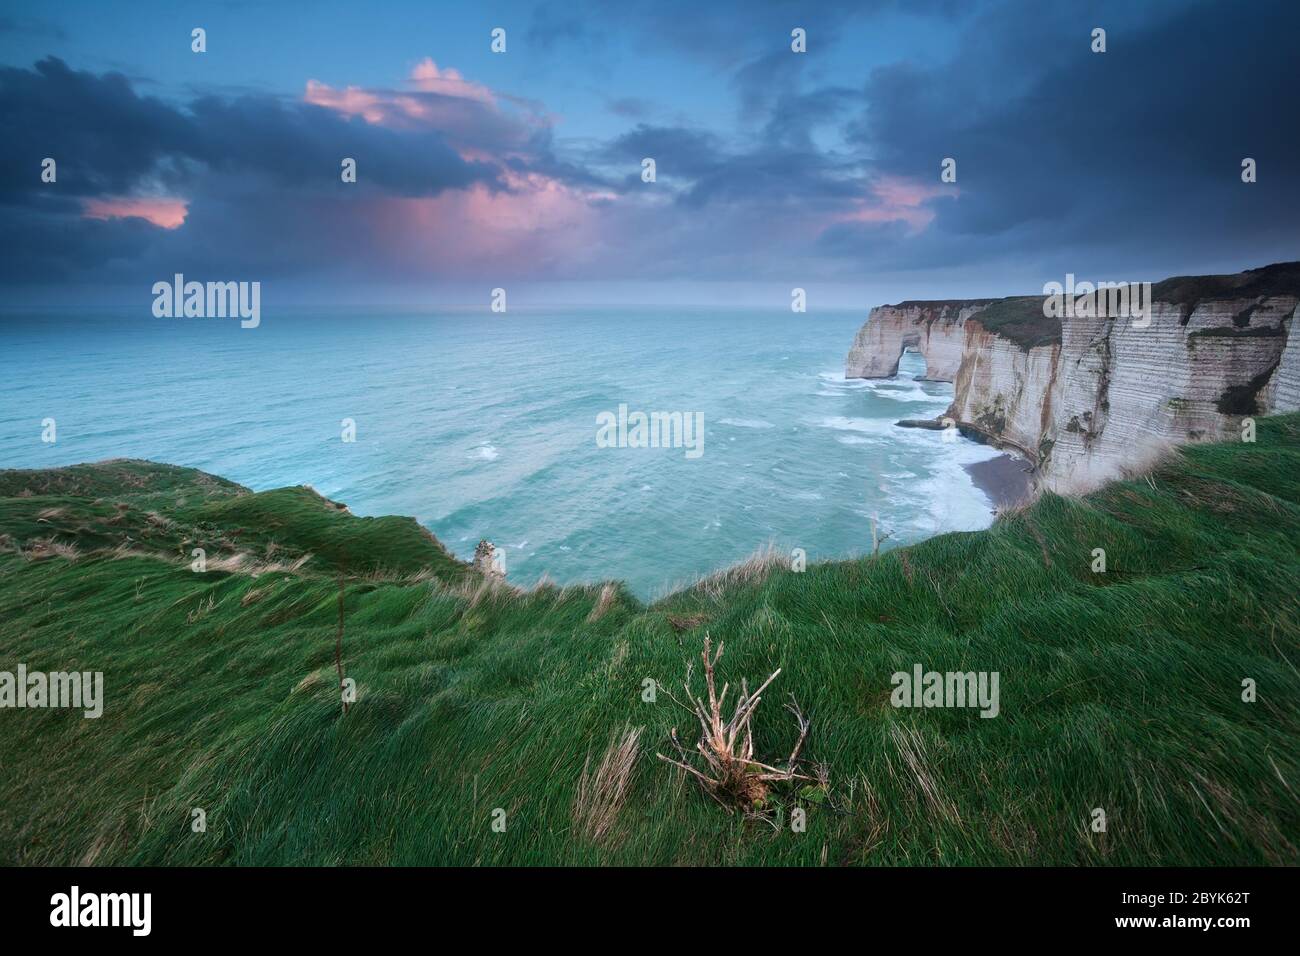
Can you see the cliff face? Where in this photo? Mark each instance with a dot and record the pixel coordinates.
(1091, 398)
(1000, 389)
(933, 328)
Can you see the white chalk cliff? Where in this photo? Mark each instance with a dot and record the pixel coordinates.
(1089, 399)
(933, 328)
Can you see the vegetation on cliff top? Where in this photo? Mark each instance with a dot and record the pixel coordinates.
(1280, 278)
(1021, 319)
(1119, 690)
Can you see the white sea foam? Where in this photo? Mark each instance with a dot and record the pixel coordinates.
(838, 381)
(913, 393)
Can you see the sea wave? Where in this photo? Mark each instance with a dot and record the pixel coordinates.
(745, 423)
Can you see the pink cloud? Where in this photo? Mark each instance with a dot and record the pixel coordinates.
(441, 98)
(351, 101)
(535, 223)
(468, 114)
(162, 212)
(447, 82)
(541, 224)
(895, 199)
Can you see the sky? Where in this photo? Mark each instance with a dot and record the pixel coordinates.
(522, 169)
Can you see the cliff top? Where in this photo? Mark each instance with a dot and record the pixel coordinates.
(938, 303)
(1280, 278)
(1020, 318)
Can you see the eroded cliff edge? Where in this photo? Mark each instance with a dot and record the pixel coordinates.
(1088, 399)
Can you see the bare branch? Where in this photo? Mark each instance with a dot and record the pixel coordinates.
(723, 760)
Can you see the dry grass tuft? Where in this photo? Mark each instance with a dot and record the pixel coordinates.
(911, 747)
(255, 594)
(309, 683)
(601, 793)
(159, 521)
(752, 571)
(482, 588)
(124, 550)
(686, 622)
(608, 595)
(730, 773)
(203, 610)
(41, 549)
(229, 562)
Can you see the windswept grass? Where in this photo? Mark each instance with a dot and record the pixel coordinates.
(1120, 691)
(148, 509)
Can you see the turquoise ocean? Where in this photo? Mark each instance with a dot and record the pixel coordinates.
(484, 426)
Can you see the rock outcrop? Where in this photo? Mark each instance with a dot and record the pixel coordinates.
(489, 561)
(1090, 398)
(933, 328)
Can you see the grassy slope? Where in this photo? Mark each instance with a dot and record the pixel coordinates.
(166, 511)
(1119, 690)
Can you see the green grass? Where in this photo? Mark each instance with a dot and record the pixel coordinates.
(1119, 690)
(1021, 319)
(1280, 278)
(143, 508)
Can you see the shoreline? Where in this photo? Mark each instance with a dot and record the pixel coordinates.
(1006, 480)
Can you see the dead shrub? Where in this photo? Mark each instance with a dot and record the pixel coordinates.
(728, 771)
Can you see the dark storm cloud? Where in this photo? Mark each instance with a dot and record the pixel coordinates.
(107, 140)
(1058, 145)
(61, 249)
(300, 146)
(704, 170)
(230, 160)
(103, 136)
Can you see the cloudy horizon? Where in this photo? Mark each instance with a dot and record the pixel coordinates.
(523, 169)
